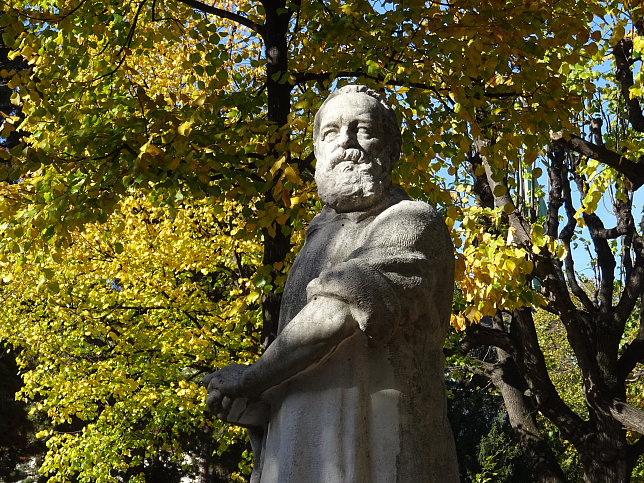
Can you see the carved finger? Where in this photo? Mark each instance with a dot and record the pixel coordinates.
(213, 401)
(206, 379)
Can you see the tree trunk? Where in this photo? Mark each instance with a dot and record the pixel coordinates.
(277, 245)
(205, 456)
(512, 386)
(605, 459)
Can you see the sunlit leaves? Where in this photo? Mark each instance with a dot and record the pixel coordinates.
(117, 329)
(150, 173)
(492, 273)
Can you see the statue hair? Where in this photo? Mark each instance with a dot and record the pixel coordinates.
(388, 116)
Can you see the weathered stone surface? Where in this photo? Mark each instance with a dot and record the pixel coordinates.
(352, 388)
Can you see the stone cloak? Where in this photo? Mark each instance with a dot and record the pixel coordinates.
(374, 409)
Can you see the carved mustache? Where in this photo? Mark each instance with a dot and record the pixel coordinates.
(353, 155)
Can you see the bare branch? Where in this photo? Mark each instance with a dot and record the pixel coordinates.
(623, 54)
(512, 385)
(481, 187)
(556, 176)
(632, 355)
(633, 172)
(477, 335)
(43, 16)
(533, 367)
(302, 77)
(124, 48)
(633, 288)
(235, 17)
(558, 173)
(630, 416)
(605, 258)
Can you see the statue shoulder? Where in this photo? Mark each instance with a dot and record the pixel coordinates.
(417, 221)
(411, 211)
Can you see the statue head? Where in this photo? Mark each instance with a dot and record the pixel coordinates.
(357, 142)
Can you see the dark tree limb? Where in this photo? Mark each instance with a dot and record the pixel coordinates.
(533, 367)
(605, 259)
(235, 17)
(556, 176)
(508, 380)
(276, 243)
(46, 17)
(481, 187)
(632, 171)
(623, 54)
(632, 355)
(633, 289)
(630, 416)
(477, 335)
(560, 195)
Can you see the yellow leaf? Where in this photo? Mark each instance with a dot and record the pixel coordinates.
(185, 128)
(277, 165)
(291, 175)
(173, 164)
(301, 104)
(151, 149)
(458, 322)
(459, 268)
(500, 190)
(14, 82)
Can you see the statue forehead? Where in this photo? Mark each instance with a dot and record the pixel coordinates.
(349, 105)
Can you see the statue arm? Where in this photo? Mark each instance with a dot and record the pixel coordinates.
(402, 273)
(310, 336)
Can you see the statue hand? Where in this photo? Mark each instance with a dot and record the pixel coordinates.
(228, 399)
(228, 380)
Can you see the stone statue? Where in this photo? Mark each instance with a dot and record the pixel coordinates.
(351, 390)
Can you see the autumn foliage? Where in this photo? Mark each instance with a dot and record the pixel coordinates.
(164, 182)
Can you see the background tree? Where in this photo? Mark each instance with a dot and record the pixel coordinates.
(186, 109)
(595, 314)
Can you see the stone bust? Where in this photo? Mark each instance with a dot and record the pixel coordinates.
(351, 390)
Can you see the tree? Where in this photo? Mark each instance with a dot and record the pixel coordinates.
(595, 320)
(190, 106)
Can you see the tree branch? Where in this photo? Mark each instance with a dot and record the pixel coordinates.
(633, 172)
(546, 266)
(122, 53)
(558, 174)
(507, 378)
(477, 335)
(302, 77)
(628, 415)
(623, 54)
(605, 259)
(632, 355)
(235, 17)
(46, 17)
(633, 288)
(533, 368)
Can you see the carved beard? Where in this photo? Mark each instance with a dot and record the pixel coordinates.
(351, 181)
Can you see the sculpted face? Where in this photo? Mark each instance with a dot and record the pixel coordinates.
(349, 174)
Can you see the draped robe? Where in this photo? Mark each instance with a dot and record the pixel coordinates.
(374, 409)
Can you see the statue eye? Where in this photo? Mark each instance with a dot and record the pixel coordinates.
(329, 133)
(365, 131)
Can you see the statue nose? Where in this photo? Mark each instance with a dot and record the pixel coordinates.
(346, 138)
